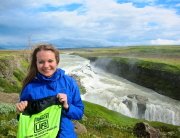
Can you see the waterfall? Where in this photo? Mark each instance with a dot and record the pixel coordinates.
(157, 113)
(119, 94)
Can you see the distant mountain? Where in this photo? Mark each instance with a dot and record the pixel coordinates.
(12, 47)
(60, 43)
(76, 43)
(2, 48)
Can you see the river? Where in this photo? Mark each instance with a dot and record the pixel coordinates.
(119, 94)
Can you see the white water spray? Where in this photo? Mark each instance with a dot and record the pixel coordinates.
(120, 95)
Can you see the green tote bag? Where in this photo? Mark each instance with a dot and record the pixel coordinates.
(41, 119)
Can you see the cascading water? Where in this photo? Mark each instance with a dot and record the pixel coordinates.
(120, 95)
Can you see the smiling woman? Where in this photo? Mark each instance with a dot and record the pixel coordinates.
(45, 80)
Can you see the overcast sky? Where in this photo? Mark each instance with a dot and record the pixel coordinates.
(108, 22)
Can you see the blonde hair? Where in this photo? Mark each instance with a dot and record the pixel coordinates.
(32, 70)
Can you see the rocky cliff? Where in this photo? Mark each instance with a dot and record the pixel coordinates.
(148, 74)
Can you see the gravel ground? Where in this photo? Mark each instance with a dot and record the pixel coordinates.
(9, 97)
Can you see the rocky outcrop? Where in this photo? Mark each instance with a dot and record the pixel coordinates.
(144, 130)
(141, 103)
(161, 81)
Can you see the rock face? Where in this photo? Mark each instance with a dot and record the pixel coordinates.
(144, 130)
(79, 128)
(141, 103)
(163, 82)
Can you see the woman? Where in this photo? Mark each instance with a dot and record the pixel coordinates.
(44, 79)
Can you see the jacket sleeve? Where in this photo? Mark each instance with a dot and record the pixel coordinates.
(76, 107)
(25, 94)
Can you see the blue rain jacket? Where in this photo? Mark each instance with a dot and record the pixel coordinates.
(42, 86)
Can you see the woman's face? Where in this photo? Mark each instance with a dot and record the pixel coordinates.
(46, 62)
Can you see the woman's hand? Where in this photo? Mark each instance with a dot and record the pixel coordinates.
(63, 99)
(21, 106)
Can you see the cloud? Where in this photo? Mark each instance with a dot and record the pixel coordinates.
(106, 21)
(165, 42)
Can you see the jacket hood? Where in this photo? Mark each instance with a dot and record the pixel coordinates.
(57, 74)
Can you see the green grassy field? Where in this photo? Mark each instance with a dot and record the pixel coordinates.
(161, 54)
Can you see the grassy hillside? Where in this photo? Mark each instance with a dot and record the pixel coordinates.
(105, 123)
(13, 65)
(99, 121)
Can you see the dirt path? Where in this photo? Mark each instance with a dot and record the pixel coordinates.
(9, 97)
